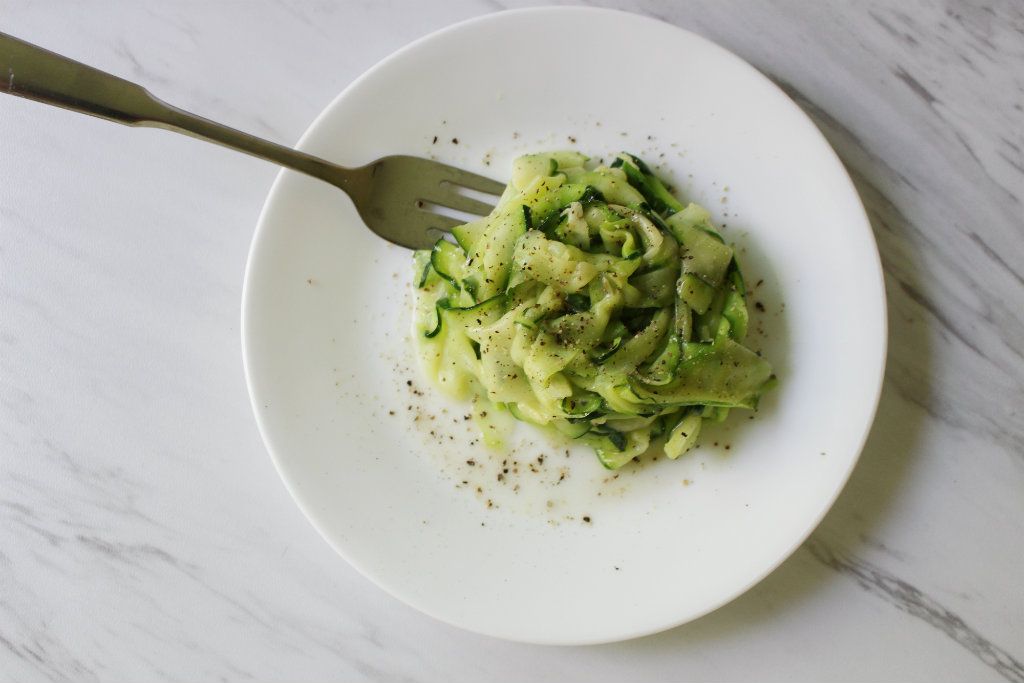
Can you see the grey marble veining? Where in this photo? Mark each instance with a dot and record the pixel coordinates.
(145, 535)
(909, 599)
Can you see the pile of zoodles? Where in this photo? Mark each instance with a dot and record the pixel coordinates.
(593, 302)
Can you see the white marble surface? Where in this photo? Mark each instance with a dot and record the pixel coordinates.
(145, 535)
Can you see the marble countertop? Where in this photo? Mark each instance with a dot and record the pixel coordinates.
(145, 535)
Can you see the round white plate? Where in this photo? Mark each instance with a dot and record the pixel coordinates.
(376, 460)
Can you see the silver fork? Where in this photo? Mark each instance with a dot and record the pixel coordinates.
(396, 196)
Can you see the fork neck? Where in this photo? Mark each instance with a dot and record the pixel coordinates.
(178, 120)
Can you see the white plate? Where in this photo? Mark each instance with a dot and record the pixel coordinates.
(327, 354)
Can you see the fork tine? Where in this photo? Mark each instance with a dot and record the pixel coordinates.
(439, 221)
(480, 183)
(460, 202)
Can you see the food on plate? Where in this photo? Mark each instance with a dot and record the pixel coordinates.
(591, 301)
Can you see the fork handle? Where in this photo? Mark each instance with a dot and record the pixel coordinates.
(34, 73)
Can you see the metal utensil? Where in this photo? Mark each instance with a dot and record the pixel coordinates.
(396, 196)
